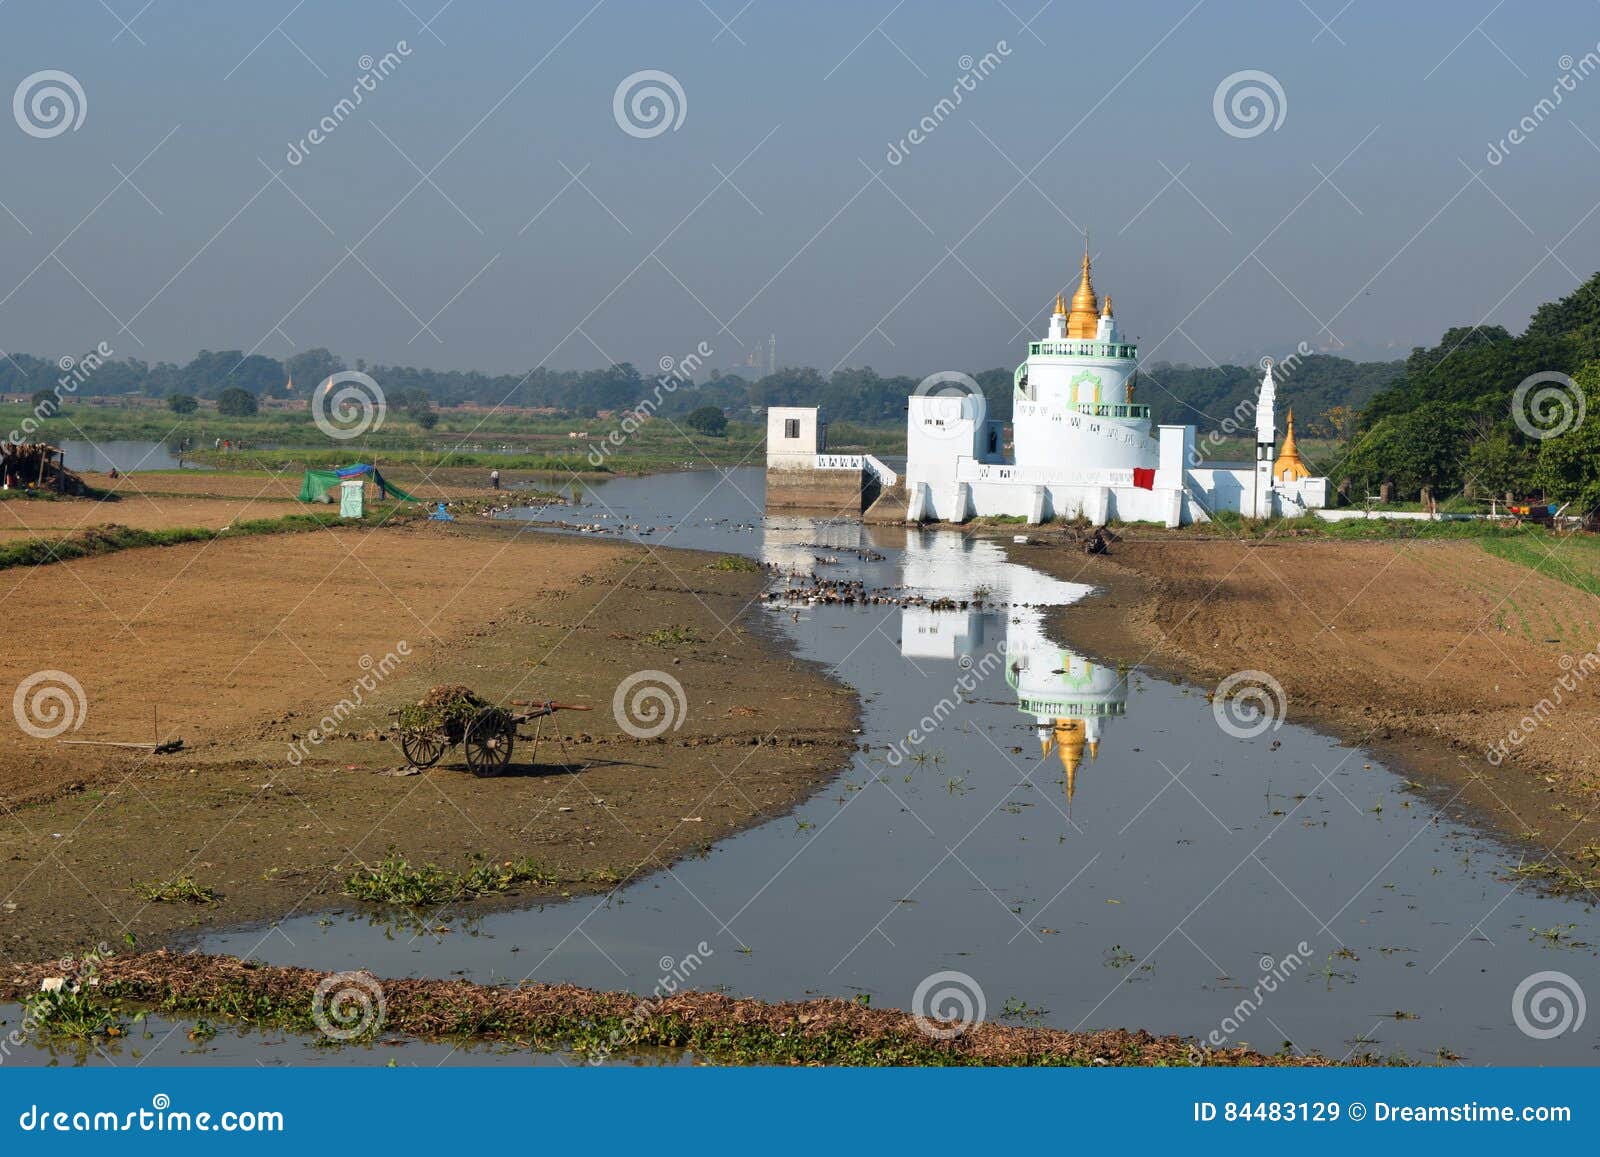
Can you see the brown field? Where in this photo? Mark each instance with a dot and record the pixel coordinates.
(1428, 652)
(241, 646)
(56, 520)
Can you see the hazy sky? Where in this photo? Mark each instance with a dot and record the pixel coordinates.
(1369, 215)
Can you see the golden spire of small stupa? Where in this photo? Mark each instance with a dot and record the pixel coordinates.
(1061, 305)
(1085, 306)
(1290, 466)
(1105, 310)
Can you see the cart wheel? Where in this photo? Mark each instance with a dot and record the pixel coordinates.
(423, 746)
(489, 740)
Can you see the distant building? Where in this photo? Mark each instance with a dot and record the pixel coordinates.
(1083, 447)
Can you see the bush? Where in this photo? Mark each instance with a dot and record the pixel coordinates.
(182, 403)
(234, 402)
(709, 420)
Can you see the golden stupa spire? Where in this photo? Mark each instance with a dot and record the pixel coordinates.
(1290, 466)
(1105, 310)
(1068, 740)
(1081, 322)
(1061, 305)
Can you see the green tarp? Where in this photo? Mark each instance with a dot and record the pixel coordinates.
(316, 483)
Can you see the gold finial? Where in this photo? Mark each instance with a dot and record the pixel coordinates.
(1061, 305)
(1081, 322)
(1105, 310)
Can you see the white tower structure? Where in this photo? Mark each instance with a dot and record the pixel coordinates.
(1266, 436)
(1072, 405)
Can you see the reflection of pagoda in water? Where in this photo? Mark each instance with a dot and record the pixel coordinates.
(1069, 696)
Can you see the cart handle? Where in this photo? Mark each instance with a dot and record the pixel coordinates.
(552, 706)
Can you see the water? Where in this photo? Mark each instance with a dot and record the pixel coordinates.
(1271, 889)
(125, 456)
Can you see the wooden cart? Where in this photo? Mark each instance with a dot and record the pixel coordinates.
(487, 739)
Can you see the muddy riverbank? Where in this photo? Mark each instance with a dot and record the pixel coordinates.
(243, 647)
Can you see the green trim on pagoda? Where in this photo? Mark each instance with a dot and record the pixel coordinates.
(1082, 349)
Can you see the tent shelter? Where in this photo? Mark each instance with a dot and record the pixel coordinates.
(316, 484)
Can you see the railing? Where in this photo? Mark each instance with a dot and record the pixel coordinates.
(1112, 410)
(1083, 349)
(866, 462)
(839, 462)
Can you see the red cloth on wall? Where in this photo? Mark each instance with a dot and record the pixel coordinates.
(1144, 479)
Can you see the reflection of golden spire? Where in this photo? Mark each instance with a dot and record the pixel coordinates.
(1085, 306)
(1067, 739)
(1290, 466)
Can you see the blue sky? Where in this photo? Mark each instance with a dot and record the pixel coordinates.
(1368, 219)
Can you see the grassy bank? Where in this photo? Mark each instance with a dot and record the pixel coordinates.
(560, 1016)
(98, 540)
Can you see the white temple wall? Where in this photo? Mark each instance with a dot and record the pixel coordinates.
(1048, 436)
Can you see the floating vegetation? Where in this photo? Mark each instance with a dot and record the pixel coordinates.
(1022, 1012)
(1556, 877)
(1119, 957)
(673, 636)
(73, 1014)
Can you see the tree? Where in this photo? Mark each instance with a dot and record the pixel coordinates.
(311, 368)
(427, 419)
(236, 403)
(1494, 465)
(182, 403)
(709, 420)
(45, 403)
(1568, 465)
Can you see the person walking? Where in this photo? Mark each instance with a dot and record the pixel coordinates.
(494, 479)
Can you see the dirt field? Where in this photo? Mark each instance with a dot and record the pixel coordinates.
(1430, 653)
(56, 520)
(242, 646)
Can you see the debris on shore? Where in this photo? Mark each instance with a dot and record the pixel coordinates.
(714, 1027)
